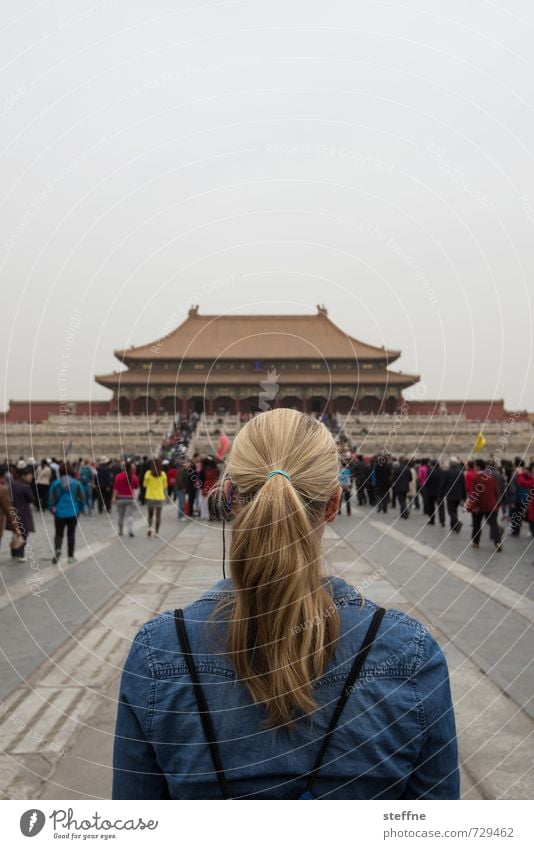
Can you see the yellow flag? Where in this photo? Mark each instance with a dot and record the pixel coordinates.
(480, 441)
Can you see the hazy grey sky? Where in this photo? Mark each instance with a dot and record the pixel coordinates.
(265, 157)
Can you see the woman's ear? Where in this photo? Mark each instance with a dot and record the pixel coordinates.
(333, 506)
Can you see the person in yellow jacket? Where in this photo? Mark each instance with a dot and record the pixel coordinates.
(155, 484)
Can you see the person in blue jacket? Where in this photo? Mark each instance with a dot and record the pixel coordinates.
(66, 500)
(282, 682)
(345, 479)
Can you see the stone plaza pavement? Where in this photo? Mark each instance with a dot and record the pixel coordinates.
(63, 650)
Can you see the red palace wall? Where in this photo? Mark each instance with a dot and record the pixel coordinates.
(38, 411)
(472, 410)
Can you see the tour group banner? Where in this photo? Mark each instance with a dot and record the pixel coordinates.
(200, 823)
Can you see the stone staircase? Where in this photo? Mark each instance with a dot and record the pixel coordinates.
(86, 436)
(115, 434)
(436, 436)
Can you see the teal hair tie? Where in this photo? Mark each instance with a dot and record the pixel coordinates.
(278, 472)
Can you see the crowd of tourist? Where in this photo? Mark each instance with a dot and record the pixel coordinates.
(484, 489)
(71, 489)
(443, 493)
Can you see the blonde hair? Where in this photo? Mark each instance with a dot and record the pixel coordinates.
(284, 623)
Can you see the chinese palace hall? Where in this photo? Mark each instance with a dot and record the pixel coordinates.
(212, 363)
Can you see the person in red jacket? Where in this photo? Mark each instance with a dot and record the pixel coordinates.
(527, 480)
(470, 475)
(124, 486)
(483, 503)
(171, 479)
(211, 476)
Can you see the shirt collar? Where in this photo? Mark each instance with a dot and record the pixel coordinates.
(337, 587)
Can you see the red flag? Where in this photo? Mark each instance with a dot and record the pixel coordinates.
(224, 445)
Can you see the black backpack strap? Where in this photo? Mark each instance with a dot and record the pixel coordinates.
(202, 705)
(356, 668)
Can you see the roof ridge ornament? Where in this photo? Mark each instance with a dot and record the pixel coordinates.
(321, 309)
(193, 310)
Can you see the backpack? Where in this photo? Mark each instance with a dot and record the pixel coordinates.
(205, 716)
(77, 497)
(86, 475)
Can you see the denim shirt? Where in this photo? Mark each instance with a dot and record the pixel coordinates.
(395, 739)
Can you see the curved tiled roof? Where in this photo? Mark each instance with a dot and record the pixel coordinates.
(259, 337)
(286, 377)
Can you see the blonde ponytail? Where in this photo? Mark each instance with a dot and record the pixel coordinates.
(284, 623)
